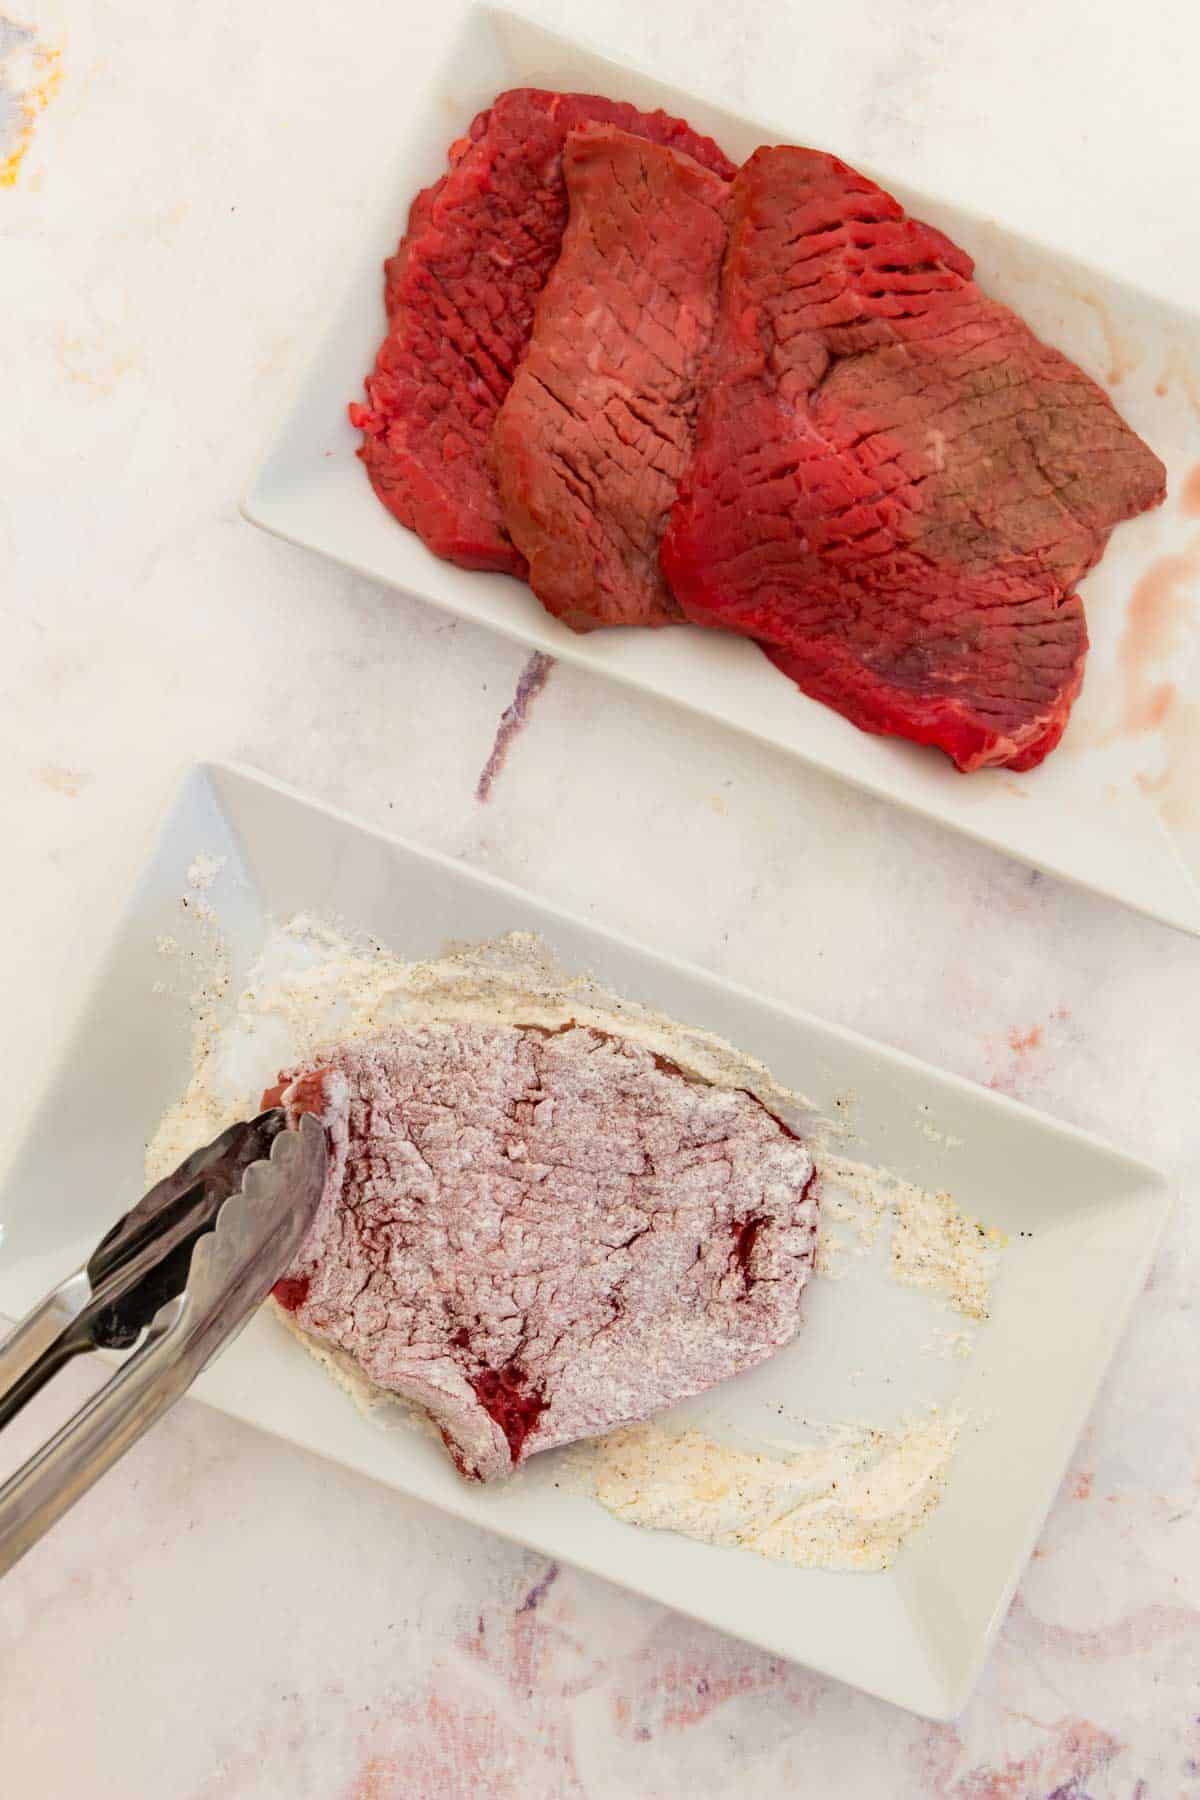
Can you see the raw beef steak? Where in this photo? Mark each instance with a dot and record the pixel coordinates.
(460, 294)
(597, 427)
(540, 1235)
(896, 486)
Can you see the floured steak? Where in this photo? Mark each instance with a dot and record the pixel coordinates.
(540, 1235)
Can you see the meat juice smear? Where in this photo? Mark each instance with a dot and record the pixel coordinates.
(314, 988)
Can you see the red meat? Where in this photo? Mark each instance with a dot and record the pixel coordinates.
(597, 427)
(896, 486)
(460, 294)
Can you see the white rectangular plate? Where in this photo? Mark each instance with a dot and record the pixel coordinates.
(1116, 808)
(916, 1634)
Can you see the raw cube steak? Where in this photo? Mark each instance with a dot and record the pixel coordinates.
(538, 1235)
(896, 486)
(597, 428)
(460, 293)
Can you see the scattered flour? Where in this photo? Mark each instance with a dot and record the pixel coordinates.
(312, 988)
(940, 1249)
(952, 1346)
(204, 869)
(204, 1110)
(933, 1245)
(848, 1501)
(947, 1141)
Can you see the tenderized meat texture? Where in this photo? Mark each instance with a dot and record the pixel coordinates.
(597, 428)
(460, 293)
(539, 1235)
(896, 486)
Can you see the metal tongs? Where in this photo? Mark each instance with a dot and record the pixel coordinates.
(177, 1277)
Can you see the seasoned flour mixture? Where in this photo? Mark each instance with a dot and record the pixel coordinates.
(847, 1501)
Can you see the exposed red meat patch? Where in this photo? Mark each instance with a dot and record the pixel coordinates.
(745, 1231)
(506, 1395)
(307, 1096)
(291, 1292)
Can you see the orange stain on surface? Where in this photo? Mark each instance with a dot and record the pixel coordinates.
(380, 1778)
(1188, 376)
(1123, 354)
(1156, 609)
(1083, 1487)
(61, 780)
(1156, 624)
(1180, 373)
(1160, 618)
(1179, 782)
(1017, 1058)
(1149, 712)
(43, 78)
(1160, 622)
(1189, 493)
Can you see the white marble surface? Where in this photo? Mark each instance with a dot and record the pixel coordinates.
(225, 1616)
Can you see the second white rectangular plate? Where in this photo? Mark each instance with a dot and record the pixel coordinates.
(1114, 809)
(1082, 1221)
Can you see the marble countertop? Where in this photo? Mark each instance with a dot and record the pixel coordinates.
(226, 1616)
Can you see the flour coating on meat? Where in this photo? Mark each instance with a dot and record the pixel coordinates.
(539, 1235)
